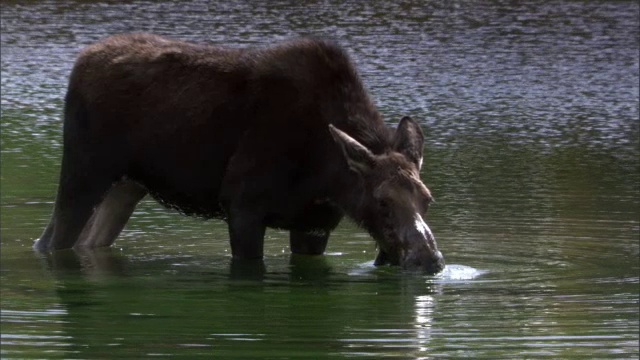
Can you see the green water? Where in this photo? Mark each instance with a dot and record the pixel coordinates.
(531, 115)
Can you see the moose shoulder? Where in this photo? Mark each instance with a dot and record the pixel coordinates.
(284, 137)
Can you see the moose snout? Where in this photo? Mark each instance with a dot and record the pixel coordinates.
(431, 263)
(421, 260)
(421, 252)
(435, 264)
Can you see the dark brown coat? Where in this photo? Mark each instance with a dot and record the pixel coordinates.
(281, 137)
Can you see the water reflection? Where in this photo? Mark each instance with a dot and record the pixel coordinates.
(99, 308)
(424, 310)
(399, 339)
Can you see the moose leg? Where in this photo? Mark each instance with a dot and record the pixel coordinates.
(246, 232)
(245, 221)
(308, 243)
(85, 178)
(42, 244)
(77, 197)
(110, 217)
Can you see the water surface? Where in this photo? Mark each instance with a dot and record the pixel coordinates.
(531, 117)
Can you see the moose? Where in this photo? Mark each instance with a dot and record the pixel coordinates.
(284, 137)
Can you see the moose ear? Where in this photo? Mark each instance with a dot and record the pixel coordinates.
(359, 158)
(409, 140)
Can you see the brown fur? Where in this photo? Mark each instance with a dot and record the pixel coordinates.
(239, 134)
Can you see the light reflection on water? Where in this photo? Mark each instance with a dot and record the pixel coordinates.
(531, 115)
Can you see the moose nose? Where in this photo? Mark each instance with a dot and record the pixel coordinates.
(424, 260)
(430, 264)
(426, 255)
(436, 264)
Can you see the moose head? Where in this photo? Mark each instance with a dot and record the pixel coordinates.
(392, 200)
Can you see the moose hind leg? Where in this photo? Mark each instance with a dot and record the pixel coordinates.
(110, 217)
(42, 244)
(77, 197)
(308, 243)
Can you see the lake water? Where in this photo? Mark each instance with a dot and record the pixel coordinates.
(531, 115)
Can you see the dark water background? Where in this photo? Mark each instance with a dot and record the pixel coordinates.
(532, 152)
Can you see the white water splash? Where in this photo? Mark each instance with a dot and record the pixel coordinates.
(459, 272)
